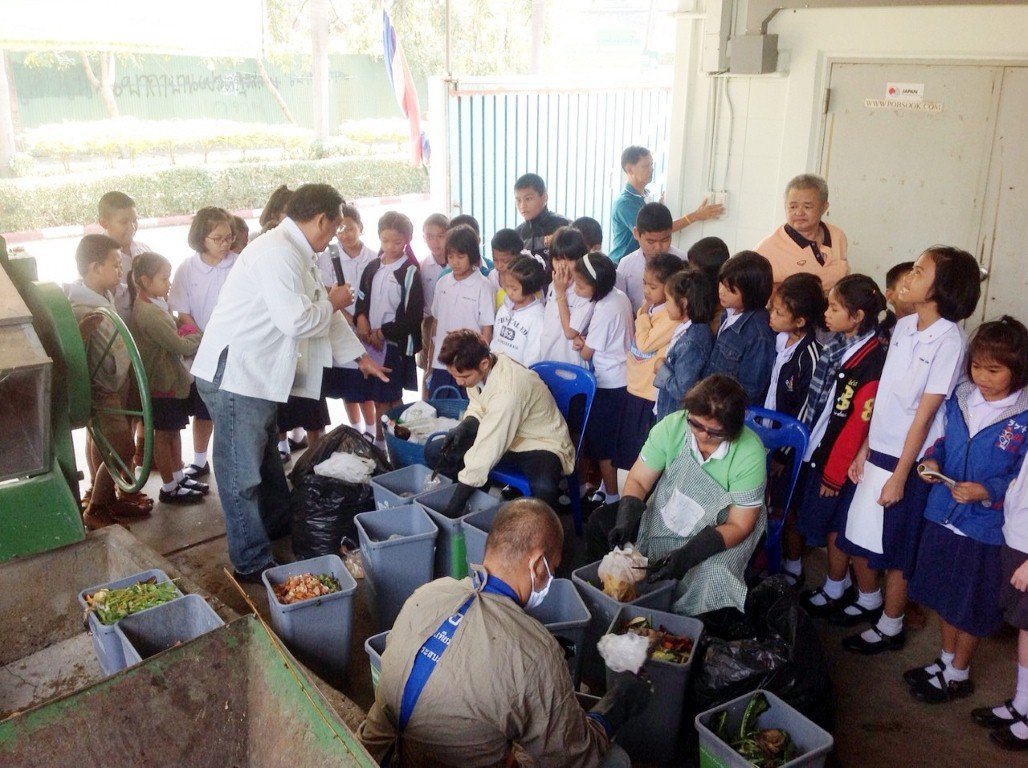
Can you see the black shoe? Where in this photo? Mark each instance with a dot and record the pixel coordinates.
(195, 485)
(923, 690)
(286, 456)
(195, 472)
(984, 716)
(253, 577)
(1005, 738)
(885, 642)
(509, 492)
(295, 444)
(917, 674)
(181, 495)
(830, 605)
(843, 618)
(795, 581)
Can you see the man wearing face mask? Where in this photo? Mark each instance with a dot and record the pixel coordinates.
(469, 679)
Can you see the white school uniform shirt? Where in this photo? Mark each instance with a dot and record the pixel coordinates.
(1015, 512)
(275, 318)
(817, 434)
(783, 354)
(630, 275)
(555, 345)
(197, 285)
(518, 333)
(386, 293)
(353, 268)
(468, 303)
(430, 272)
(928, 362)
(610, 336)
(122, 299)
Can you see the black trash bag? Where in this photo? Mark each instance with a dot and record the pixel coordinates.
(783, 656)
(323, 507)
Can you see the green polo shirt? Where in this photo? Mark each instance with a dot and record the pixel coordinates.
(622, 220)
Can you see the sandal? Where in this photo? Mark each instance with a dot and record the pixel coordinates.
(985, 717)
(121, 510)
(947, 690)
(1006, 739)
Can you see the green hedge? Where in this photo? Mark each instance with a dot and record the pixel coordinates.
(56, 201)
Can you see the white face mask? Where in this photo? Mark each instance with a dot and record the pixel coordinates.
(536, 598)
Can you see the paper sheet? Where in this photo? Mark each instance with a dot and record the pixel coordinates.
(681, 514)
(866, 516)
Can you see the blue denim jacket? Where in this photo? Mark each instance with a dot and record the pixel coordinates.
(745, 350)
(682, 367)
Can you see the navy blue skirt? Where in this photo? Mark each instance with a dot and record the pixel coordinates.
(1013, 602)
(403, 375)
(303, 412)
(348, 384)
(902, 525)
(197, 407)
(959, 578)
(601, 431)
(817, 515)
(637, 419)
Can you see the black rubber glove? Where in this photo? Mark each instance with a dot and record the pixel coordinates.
(461, 437)
(626, 526)
(678, 562)
(459, 500)
(626, 698)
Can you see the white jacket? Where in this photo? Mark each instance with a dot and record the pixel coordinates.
(274, 316)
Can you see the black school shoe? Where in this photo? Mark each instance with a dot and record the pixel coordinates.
(253, 577)
(840, 617)
(857, 644)
(1005, 738)
(181, 496)
(195, 472)
(984, 716)
(195, 485)
(923, 690)
(297, 444)
(830, 605)
(917, 674)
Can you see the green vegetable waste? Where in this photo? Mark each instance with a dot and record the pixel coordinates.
(764, 748)
(111, 605)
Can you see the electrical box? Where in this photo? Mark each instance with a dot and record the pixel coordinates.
(753, 54)
(717, 25)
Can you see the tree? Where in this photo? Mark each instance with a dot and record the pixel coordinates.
(104, 85)
(7, 146)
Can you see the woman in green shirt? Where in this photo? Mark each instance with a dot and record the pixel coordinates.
(707, 472)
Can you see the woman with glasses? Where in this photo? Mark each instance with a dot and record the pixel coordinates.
(707, 472)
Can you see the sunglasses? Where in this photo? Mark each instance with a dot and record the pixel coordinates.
(713, 434)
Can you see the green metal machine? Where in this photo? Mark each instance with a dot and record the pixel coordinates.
(45, 393)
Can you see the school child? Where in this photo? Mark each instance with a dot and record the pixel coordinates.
(505, 246)
(958, 569)
(240, 234)
(346, 381)
(691, 302)
(431, 269)
(745, 345)
(653, 330)
(98, 258)
(1008, 722)
(117, 215)
(518, 329)
(275, 209)
(883, 524)
(837, 411)
(709, 254)
(565, 319)
(389, 311)
(605, 347)
(797, 312)
(653, 231)
(897, 307)
(161, 347)
(540, 222)
(463, 299)
(591, 231)
(194, 293)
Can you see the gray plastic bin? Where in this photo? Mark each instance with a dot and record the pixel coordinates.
(564, 614)
(375, 646)
(316, 631)
(106, 644)
(450, 548)
(476, 527)
(149, 632)
(652, 735)
(395, 567)
(602, 608)
(399, 487)
(812, 741)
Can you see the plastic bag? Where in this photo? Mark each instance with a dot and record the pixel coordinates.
(624, 653)
(323, 507)
(783, 655)
(620, 570)
(346, 467)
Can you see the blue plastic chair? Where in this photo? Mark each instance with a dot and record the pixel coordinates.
(783, 432)
(565, 383)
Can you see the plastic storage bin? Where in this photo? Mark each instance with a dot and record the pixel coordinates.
(476, 527)
(106, 644)
(450, 547)
(316, 631)
(812, 741)
(399, 487)
(149, 632)
(564, 614)
(403, 453)
(395, 567)
(375, 646)
(652, 735)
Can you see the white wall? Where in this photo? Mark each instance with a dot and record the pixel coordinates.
(777, 125)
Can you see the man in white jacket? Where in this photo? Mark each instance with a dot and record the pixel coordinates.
(273, 332)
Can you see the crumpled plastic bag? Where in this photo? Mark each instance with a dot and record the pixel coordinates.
(419, 432)
(346, 467)
(620, 570)
(624, 653)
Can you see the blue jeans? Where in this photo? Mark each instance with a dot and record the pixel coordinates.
(251, 482)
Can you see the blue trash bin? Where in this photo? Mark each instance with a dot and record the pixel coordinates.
(399, 487)
(565, 616)
(157, 629)
(476, 527)
(450, 546)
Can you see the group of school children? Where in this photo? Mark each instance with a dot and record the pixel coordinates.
(886, 396)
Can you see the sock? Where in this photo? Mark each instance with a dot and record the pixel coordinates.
(887, 625)
(283, 446)
(951, 674)
(611, 498)
(1021, 696)
(834, 589)
(866, 600)
(199, 459)
(170, 487)
(297, 434)
(179, 476)
(795, 567)
(946, 658)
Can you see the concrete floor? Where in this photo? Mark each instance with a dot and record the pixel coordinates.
(879, 722)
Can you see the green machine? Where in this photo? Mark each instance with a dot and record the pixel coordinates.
(45, 386)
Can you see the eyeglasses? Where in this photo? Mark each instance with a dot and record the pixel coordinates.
(220, 240)
(713, 434)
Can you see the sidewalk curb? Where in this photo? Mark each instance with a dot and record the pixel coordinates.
(76, 230)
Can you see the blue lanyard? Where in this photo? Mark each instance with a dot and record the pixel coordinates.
(433, 648)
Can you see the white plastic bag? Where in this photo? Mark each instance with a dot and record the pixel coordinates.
(624, 653)
(346, 467)
(620, 570)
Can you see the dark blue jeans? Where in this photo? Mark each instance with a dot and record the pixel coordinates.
(251, 482)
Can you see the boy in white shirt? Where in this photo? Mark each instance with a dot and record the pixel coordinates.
(653, 229)
(117, 216)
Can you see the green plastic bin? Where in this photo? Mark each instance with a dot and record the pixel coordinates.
(375, 646)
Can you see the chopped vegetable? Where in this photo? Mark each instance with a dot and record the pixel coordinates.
(664, 646)
(111, 605)
(764, 748)
(305, 586)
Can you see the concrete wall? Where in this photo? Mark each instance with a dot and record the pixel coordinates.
(776, 130)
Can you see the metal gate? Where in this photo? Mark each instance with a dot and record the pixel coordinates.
(573, 138)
